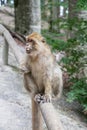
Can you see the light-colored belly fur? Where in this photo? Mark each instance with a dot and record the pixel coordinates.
(41, 70)
(46, 69)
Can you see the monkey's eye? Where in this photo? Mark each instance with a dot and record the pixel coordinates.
(43, 40)
(30, 40)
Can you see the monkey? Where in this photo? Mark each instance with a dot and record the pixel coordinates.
(43, 76)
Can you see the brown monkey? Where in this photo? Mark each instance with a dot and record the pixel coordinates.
(44, 74)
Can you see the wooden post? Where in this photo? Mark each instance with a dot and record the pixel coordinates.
(5, 53)
(50, 116)
(36, 116)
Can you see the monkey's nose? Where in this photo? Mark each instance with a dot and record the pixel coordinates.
(27, 49)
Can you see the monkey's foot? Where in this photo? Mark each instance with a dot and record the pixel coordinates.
(37, 98)
(46, 98)
(42, 98)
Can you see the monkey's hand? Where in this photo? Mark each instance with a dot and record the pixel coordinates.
(23, 68)
(42, 98)
(46, 98)
(38, 98)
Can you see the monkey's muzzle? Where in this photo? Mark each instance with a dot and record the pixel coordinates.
(28, 49)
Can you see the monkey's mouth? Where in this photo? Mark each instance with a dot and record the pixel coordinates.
(28, 51)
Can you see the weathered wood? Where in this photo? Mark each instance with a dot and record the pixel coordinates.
(5, 53)
(50, 116)
(18, 54)
(19, 36)
(5, 11)
(36, 117)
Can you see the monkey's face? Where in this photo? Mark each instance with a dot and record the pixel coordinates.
(35, 42)
(30, 46)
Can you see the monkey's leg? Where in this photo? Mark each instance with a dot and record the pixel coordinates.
(48, 93)
(30, 84)
(58, 87)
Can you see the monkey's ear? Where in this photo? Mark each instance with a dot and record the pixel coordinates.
(43, 40)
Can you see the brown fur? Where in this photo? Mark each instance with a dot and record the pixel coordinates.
(45, 76)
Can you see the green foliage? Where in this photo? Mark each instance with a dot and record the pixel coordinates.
(82, 4)
(75, 48)
(75, 63)
(10, 3)
(52, 39)
(79, 92)
(47, 13)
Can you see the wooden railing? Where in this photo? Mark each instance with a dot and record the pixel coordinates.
(45, 110)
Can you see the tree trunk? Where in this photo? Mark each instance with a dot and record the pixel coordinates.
(64, 9)
(8, 1)
(55, 14)
(27, 16)
(72, 9)
(72, 17)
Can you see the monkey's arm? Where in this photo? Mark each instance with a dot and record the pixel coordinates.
(47, 94)
(57, 82)
(29, 84)
(24, 65)
(48, 90)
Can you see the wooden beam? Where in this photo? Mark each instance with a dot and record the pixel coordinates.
(19, 36)
(6, 12)
(50, 116)
(16, 50)
(5, 53)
